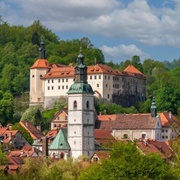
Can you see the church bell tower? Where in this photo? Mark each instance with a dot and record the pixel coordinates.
(81, 113)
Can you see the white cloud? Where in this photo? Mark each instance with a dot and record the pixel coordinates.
(123, 52)
(137, 20)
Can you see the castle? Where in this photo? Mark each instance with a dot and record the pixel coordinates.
(48, 82)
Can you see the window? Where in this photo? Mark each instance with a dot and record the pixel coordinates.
(97, 85)
(40, 76)
(125, 136)
(59, 80)
(108, 96)
(162, 137)
(75, 105)
(99, 76)
(162, 130)
(48, 87)
(62, 87)
(32, 75)
(66, 87)
(108, 77)
(39, 99)
(87, 104)
(106, 85)
(52, 81)
(74, 120)
(48, 80)
(94, 77)
(62, 80)
(74, 132)
(143, 135)
(90, 77)
(59, 87)
(65, 117)
(52, 87)
(166, 137)
(66, 80)
(74, 142)
(166, 130)
(105, 77)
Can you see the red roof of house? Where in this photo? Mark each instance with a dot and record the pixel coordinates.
(167, 118)
(41, 63)
(132, 69)
(128, 121)
(152, 146)
(34, 132)
(103, 136)
(8, 135)
(106, 117)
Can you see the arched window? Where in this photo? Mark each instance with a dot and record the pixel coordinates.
(87, 104)
(75, 105)
(62, 155)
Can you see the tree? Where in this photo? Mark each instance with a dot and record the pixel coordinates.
(127, 162)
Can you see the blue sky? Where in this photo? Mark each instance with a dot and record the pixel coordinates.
(120, 28)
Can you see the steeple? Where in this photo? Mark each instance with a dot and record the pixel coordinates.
(80, 74)
(42, 50)
(153, 108)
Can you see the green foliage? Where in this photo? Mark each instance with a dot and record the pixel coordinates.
(47, 116)
(23, 131)
(6, 108)
(3, 159)
(126, 162)
(112, 108)
(32, 114)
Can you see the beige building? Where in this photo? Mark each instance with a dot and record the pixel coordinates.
(50, 82)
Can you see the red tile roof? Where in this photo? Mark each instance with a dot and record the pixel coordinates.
(167, 119)
(128, 121)
(58, 71)
(41, 63)
(106, 117)
(132, 69)
(152, 146)
(34, 132)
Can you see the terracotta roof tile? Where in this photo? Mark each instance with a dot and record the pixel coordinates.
(34, 132)
(167, 119)
(128, 121)
(41, 63)
(106, 117)
(132, 69)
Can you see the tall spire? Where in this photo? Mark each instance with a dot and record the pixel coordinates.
(153, 108)
(42, 50)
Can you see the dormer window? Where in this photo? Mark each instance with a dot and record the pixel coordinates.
(75, 105)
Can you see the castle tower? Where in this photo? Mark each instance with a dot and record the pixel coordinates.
(39, 68)
(81, 113)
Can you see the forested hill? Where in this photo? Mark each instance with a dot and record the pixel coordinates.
(19, 50)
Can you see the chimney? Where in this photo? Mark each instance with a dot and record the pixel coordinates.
(10, 135)
(170, 114)
(45, 146)
(38, 127)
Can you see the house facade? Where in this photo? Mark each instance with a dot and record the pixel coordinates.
(50, 82)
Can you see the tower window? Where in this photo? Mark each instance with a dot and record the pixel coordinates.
(87, 104)
(32, 75)
(75, 104)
